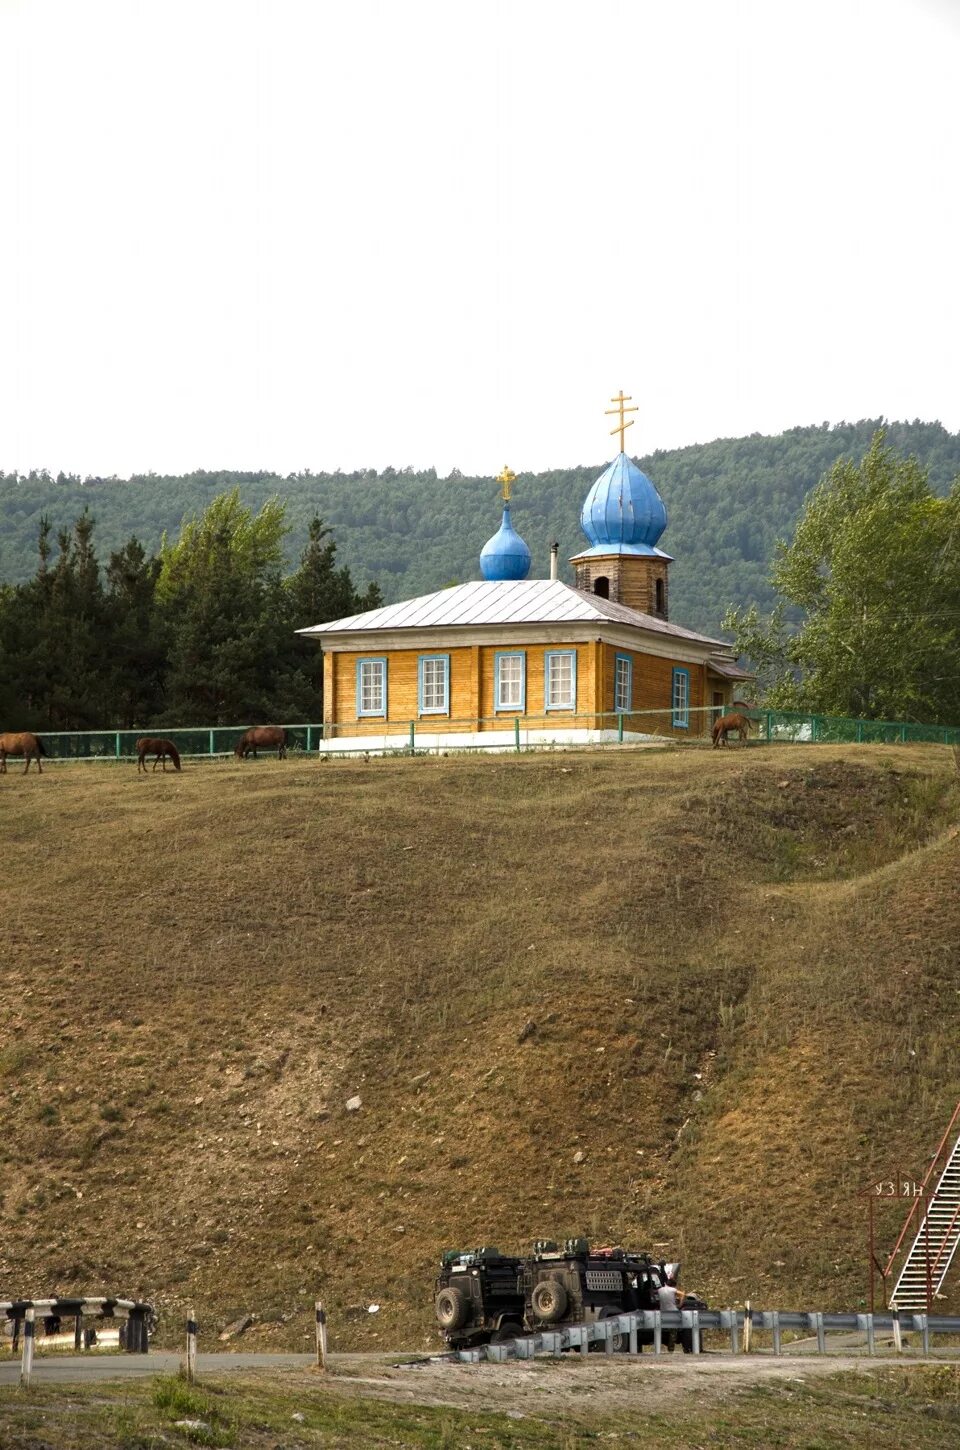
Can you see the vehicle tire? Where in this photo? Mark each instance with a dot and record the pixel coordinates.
(451, 1307)
(621, 1341)
(549, 1300)
(509, 1329)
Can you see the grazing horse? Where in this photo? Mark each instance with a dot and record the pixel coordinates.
(24, 744)
(730, 724)
(268, 737)
(150, 745)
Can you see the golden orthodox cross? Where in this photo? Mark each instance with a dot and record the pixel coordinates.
(621, 426)
(507, 478)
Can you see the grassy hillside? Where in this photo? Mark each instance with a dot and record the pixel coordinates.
(743, 971)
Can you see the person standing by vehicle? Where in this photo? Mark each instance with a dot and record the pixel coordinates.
(670, 1298)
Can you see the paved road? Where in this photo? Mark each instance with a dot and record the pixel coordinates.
(87, 1368)
(82, 1368)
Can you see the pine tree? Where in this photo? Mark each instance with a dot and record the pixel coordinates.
(317, 592)
(138, 658)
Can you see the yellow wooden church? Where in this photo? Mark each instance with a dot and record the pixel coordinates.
(508, 659)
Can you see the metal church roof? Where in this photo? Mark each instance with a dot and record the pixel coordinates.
(730, 669)
(505, 556)
(623, 508)
(519, 601)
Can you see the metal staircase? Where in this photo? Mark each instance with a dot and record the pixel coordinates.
(938, 1230)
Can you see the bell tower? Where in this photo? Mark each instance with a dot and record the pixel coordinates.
(623, 517)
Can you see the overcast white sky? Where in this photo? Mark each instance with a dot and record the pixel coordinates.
(318, 235)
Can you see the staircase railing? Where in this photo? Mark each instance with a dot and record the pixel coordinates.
(943, 1201)
(922, 1197)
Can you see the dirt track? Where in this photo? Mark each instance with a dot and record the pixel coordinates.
(661, 1382)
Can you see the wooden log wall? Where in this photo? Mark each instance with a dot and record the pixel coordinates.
(472, 689)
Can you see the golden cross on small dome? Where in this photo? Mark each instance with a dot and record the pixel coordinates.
(621, 427)
(507, 478)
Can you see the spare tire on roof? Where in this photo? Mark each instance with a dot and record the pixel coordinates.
(451, 1307)
(549, 1300)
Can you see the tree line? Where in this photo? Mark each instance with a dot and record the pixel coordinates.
(200, 632)
(859, 614)
(412, 532)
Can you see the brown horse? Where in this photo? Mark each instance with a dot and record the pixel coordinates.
(25, 744)
(151, 745)
(267, 737)
(730, 724)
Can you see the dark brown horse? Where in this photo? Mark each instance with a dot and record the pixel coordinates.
(730, 724)
(266, 737)
(162, 749)
(23, 744)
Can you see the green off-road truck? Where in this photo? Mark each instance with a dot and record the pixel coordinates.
(479, 1297)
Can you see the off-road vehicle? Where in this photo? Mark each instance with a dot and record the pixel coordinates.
(479, 1297)
(574, 1284)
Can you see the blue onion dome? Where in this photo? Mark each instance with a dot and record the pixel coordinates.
(623, 509)
(505, 556)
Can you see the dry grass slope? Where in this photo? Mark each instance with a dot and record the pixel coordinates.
(743, 970)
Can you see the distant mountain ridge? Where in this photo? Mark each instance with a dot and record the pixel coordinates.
(728, 501)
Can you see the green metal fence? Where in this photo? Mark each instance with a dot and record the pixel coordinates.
(190, 741)
(791, 727)
(527, 732)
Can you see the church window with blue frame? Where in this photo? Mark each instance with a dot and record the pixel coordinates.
(372, 687)
(623, 685)
(681, 699)
(560, 680)
(510, 680)
(433, 684)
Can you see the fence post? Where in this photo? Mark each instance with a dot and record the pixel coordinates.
(658, 1331)
(516, 733)
(775, 1325)
(821, 1336)
(321, 1335)
(747, 1326)
(413, 730)
(924, 1332)
(897, 1338)
(620, 728)
(26, 1363)
(191, 1346)
(695, 1330)
(117, 742)
(871, 1335)
(137, 1338)
(211, 749)
(734, 1333)
(633, 1335)
(309, 738)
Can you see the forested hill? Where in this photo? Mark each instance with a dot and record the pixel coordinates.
(412, 532)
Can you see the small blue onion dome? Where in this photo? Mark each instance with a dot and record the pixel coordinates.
(505, 556)
(623, 508)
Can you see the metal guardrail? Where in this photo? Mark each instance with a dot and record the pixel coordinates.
(733, 1322)
(24, 1313)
